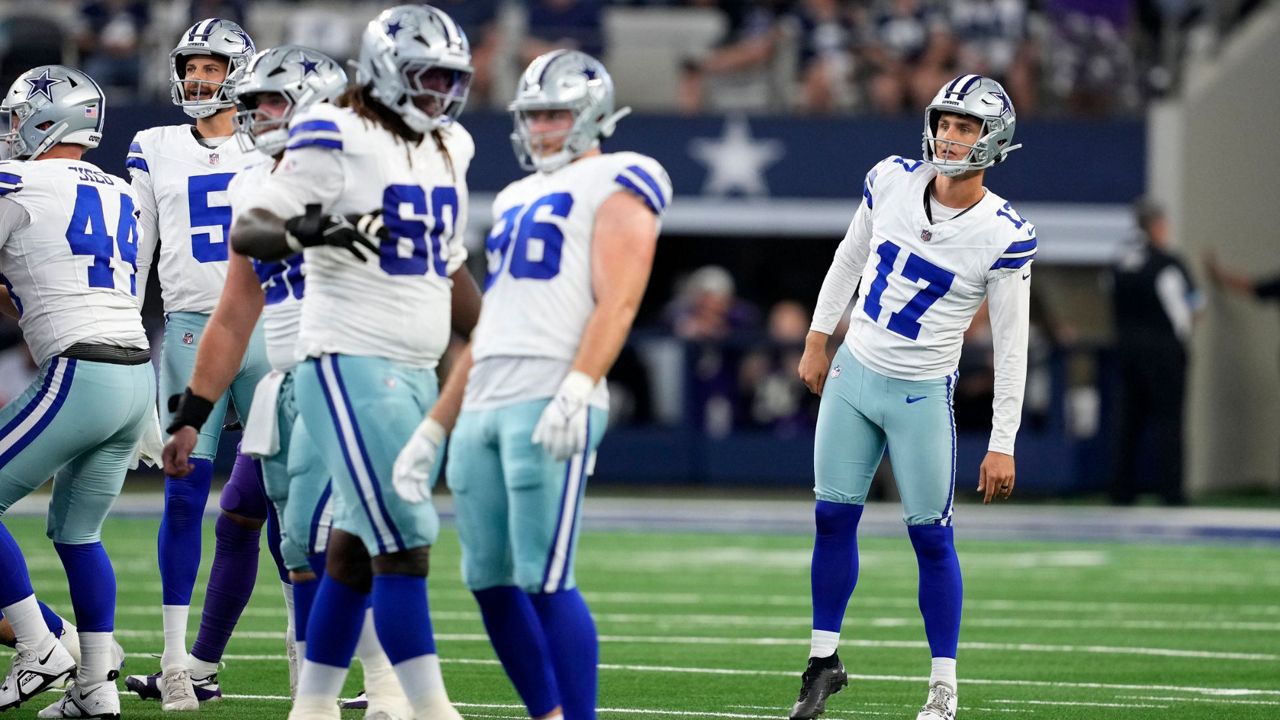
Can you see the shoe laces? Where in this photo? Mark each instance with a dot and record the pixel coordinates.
(940, 697)
(183, 690)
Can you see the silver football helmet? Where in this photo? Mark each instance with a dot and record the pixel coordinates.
(301, 75)
(219, 38)
(564, 80)
(48, 105)
(979, 97)
(416, 61)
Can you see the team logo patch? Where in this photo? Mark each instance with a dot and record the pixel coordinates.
(835, 372)
(926, 235)
(390, 382)
(188, 338)
(214, 158)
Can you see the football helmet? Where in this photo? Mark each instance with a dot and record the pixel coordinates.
(66, 102)
(979, 97)
(302, 75)
(219, 38)
(416, 51)
(564, 80)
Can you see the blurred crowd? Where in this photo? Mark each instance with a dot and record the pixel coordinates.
(1093, 57)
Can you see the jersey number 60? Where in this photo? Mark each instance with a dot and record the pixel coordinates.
(405, 251)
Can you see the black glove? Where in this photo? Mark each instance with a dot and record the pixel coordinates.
(188, 409)
(357, 233)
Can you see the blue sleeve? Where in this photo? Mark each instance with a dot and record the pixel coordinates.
(317, 133)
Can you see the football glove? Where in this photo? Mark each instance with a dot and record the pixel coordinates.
(358, 234)
(412, 474)
(562, 429)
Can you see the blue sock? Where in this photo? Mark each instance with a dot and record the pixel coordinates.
(304, 597)
(402, 618)
(941, 590)
(339, 609)
(571, 638)
(52, 619)
(93, 585)
(15, 582)
(179, 541)
(834, 571)
(521, 645)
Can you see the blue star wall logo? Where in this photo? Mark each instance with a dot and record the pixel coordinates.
(736, 161)
(42, 85)
(394, 27)
(308, 65)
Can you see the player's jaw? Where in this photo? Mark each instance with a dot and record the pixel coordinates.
(547, 130)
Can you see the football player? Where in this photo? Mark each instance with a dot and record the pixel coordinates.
(181, 174)
(926, 247)
(68, 255)
(373, 193)
(569, 257)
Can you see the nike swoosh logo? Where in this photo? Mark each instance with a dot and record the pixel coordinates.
(86, 694)
(915, 398)
(47, 655)
(1024, 277)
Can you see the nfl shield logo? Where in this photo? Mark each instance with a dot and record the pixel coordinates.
(213, 158)
(188, 338)
(925, 235)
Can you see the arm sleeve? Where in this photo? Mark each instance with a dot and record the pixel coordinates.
(307, 175)
(13, 217)
(144, 196)
(1009, 300)
(845, 272)
(1176, 299)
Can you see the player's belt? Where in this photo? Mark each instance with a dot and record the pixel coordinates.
(113, 354)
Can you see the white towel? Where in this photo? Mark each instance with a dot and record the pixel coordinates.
(261, 436)
(150, 445)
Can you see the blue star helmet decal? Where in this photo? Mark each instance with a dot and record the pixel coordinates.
(248, 44)
(42, 85)
(308, 65)
(394, 28)
(1004, 102)
(590, 73)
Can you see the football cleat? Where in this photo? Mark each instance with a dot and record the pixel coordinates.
(147, 687)
(359, 702)
(101, 700)
(941, 704)
(34, 671)
(823, 678)
(177, 692)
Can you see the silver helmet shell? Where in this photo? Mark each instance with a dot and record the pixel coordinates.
(982, 98)
(66, 101)
(302, 75)
(564, 80)
(218, 38)
(404, 51)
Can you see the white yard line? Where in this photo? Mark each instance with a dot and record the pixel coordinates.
(1081, 704)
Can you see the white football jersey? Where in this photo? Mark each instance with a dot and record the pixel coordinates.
(921, 280)
(181, 187)
(282, 280)
(70, 267)
(538, 293)
(397, 304)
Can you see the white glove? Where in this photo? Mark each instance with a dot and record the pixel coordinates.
(562, 429)
(412, 474)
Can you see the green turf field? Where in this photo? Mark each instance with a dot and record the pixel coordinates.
(716, 626)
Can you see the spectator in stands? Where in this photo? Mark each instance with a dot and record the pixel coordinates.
(708, 308)
(28, 38)
(992, 39)
(754, 32)
(110, 41)
(908, 51)
(479, 19)
(233, 10)
(1155, 302)
(572, 24)
(1090, 65)
(774, 398)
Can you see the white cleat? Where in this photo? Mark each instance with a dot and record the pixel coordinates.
(34, 671)
(941, 704)
(176, 691)
(313, 709)
(96, 701)
(441, 710)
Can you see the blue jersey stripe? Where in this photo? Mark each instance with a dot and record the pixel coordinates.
(316, 142)
(625, 182)
(1021, 246)
(1013, 262)
(136, 162)
(314, 126)
(653, 184)
(135, 147)
(10, 178)
(866, 195)
(63, 390)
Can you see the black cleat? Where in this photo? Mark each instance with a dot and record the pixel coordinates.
(823, 678)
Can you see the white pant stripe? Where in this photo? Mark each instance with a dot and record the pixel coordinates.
(568, 511)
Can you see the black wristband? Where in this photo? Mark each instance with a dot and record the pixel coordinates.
(188, 409)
